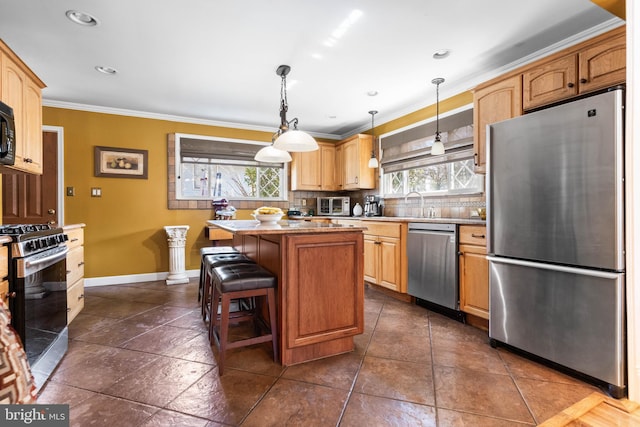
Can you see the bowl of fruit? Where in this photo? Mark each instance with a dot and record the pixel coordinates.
(268, 214)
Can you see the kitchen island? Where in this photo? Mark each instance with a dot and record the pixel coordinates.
(320, 291)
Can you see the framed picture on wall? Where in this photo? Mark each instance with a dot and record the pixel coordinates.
(112, 162)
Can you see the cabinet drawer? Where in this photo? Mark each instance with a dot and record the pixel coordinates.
(76, 237)
(75, 300)
(386, 229)
(4, 290)
(4, 262)
(75, 265)
(473, 235)
(216, 233)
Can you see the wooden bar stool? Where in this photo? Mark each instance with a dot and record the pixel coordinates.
(210, 262)
(211, 250)
(235, 281)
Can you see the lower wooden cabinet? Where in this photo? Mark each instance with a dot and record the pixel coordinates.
(384, 253)
(474, 271)
(75, 270)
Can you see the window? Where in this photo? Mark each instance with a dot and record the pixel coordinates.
(221, 167)
(456, 177)
(408, 165)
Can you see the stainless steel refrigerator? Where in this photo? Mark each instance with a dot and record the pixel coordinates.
(555, 220)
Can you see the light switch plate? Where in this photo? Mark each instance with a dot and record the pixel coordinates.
(96, 192)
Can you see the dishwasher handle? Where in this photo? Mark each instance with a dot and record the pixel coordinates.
(432, 232)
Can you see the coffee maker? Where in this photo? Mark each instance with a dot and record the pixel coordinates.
(372, 206)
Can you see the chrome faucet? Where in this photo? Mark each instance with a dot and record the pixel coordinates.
(421, 201)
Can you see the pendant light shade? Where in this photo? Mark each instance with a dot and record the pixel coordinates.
(438, 147)
(290, 139)
(295, 140)
(373, 161)
(270, 154)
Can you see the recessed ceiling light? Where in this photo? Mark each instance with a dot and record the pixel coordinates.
(82, 18)
(441, 54)
(106, 70)
(372, 93)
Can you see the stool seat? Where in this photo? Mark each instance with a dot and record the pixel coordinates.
(211, 250)
(242, 280)
(214, 250)
(209, 262)
(241, 277)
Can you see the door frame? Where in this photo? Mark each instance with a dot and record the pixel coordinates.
(59, 131)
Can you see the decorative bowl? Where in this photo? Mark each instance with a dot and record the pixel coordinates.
(482, 213)
(267, 218)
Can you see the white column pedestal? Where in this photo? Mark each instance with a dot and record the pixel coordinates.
(176, 237)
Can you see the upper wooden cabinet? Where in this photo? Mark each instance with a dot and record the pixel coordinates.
(597, 64)
(21, 89)
(314, 170)
(497, 101)
(550, 82)
(356, 152)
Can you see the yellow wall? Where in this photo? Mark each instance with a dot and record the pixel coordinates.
(124, 231)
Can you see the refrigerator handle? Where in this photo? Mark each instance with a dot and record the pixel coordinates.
(553, 267)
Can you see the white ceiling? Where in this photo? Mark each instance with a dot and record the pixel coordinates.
(215, 60)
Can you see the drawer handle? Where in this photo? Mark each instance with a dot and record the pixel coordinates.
(69, 310)
(80, 297)
(73, 240)
(27, 160)
(68, 271)
(570, 85)
(479, 236)
(10, 295)
(583, 80)
(80, 264)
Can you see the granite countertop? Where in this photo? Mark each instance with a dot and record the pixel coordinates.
(461, 221)
(281, 227)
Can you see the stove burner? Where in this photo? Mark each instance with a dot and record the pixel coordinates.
(18, 229)
(30, 239)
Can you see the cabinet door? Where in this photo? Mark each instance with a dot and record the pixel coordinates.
(305, 171)
(371, 257)
(390, 262)
(340, 167)
(474, 280)
(603, 64)
(351, 160)
(500, 101)
(32, 154)
(75, 300)
(13, 86)
(550, 82)
(328, 166)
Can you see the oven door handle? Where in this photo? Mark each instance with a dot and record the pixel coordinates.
(46, 261)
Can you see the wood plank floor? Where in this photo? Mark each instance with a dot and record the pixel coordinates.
(597, 410)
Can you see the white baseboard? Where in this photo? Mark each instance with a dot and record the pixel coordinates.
(131, 278)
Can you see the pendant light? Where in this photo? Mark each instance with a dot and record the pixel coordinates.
(437, 148)
(290, 139)
(373, 161)
(270, 154)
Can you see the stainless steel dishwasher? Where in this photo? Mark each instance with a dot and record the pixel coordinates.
(432, 251)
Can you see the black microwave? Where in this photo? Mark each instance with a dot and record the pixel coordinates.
(7, 135)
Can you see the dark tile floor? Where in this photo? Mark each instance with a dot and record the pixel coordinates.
(139, 356)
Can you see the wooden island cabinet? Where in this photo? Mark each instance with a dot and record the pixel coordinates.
(320, 290)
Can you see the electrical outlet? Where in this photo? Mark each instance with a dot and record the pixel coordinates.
(71, 191)
(304, 202)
